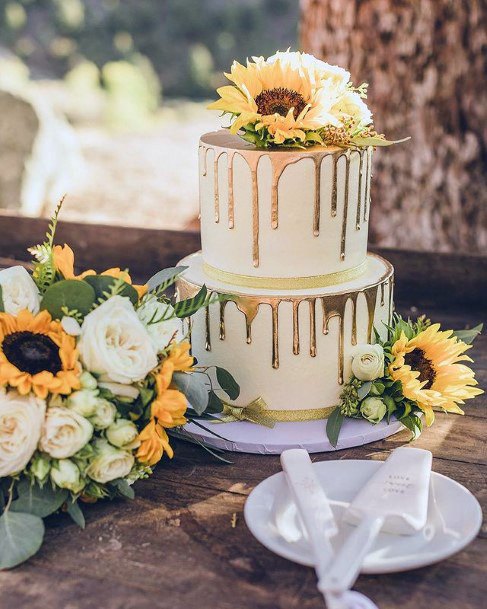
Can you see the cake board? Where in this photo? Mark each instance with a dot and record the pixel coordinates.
(246, 437)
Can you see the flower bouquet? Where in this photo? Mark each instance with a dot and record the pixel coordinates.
(94, 371)
(417, 368)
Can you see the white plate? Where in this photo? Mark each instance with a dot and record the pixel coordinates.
(454, 519)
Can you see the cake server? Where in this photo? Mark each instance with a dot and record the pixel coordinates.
(318, 522)
(394, 500)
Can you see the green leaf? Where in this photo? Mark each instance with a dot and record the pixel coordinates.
(21, 537)
(38, 501)
(194, 388)
(123, 487)
(69, 293)
(215, 405)
(185, 308)
(391, 405)
(76, 513)
(376, 141)
(333, 426)
(364, 390)
(102, 285)
(2, 307)
(468, 336)
(165, 278)
(414, 424)
(227, 383)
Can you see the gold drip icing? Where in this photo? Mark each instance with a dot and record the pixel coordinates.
(205, 154)
(312, 327)
(333, 305)
(368, 175)
(359, 198)
(216, 185)
(279, 163)
(334, 189)
(231, 200)
(296, 304)
(275, 334)
(382, 290)
(346, 155)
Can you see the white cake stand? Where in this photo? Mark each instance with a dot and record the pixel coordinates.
(247, 437)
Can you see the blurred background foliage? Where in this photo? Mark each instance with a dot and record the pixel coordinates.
(178, 47)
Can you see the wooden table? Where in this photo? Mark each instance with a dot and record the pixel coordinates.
(177, 546)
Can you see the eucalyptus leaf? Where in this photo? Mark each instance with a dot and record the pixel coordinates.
(227, 383)
(70, 293)
(76, 513)
(333, 426)
(21, 537)
(103, 283)
(165, 278)
(215, 405)
(468, 336)
(364, 390)
(124, 488)
(194, 388)
(32, 499)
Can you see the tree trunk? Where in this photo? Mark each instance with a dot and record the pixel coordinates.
(425, 65)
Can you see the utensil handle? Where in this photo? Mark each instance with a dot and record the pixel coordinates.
(347, 564)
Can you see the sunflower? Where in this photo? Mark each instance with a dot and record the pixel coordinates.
(37, 355)
(429, 370)
(282, 97)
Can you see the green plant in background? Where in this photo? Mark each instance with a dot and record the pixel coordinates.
(188, 42)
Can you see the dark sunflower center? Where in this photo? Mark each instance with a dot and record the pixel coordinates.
(279, 101)
(32, 352)
(419, 362)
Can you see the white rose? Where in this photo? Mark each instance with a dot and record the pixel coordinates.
(109, 463)
(21, 419)
(64, 433)
(104, 414)
(123, 434)
(161, 333)
(368, 362)
(115, 343)
(319, 70)
(66, 474)
(84, 402)
(373, 409)
(351, 105)
(18, 291)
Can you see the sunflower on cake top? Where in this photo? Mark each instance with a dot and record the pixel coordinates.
(292, 99)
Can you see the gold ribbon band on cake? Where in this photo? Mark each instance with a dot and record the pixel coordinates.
(285, 283)
(258, 413)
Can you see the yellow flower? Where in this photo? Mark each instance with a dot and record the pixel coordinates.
(37, 355)
(429, 370)
(170, 404)
(153, 442)
(180, 357)
(63, 257)
(287, 94)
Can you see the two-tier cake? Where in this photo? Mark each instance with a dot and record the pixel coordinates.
(285, 233)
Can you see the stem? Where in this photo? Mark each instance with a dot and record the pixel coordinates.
(10, 496)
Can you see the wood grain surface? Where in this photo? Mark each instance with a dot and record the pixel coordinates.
(174, 546)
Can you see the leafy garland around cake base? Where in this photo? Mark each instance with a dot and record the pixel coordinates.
(94, 374)
(416, 370)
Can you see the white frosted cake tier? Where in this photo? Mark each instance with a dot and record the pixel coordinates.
(283, 217)
(291, 348)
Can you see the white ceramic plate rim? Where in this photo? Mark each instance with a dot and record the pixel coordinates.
(393, 565)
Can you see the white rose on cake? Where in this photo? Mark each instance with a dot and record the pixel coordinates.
(351, 106)
(115, 343)
(19, 291)
(163, 332)
(109, 463)
(368, 362)
(21, 420)
(64, 433)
